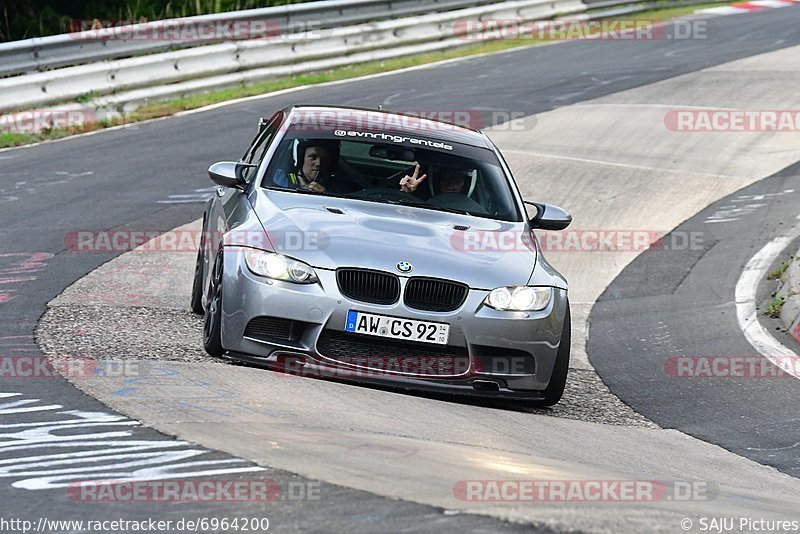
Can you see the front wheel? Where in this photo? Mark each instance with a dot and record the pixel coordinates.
(212, 322)
(558, 379)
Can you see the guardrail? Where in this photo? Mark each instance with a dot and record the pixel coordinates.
(333, 47)
(44, 53)
(118, 86)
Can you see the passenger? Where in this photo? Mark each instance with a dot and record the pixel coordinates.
(451, 180)
(451, 187)
(409, 184)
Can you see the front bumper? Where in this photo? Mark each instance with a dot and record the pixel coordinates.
(489, 352)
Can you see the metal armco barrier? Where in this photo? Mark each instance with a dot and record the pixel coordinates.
(43, 53)
(120, 85)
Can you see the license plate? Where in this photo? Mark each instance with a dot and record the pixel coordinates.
(397, 328)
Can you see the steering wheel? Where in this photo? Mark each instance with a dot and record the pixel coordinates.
(384, 193)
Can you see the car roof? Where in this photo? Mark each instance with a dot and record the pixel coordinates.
(414, 123)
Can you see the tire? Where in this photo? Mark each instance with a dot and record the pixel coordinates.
(558, 380)
(212, 323)
(197, 284)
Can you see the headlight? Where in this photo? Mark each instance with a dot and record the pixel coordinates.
(279, 267)
(519, 298)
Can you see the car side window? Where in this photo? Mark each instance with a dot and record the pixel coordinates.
(259, 147)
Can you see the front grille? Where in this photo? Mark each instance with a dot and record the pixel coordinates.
(432, 294)
(393, 356)
(376, 287)
(267, 328)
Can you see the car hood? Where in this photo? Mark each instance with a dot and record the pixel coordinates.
(331, 232)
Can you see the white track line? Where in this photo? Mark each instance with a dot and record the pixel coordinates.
(745, 298)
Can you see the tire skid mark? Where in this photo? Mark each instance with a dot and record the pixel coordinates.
(20, 271)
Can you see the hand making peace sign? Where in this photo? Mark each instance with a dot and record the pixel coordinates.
(409, 184)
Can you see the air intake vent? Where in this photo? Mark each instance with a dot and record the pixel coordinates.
(394, 356)
(334, 210)
(460, 227)
(432, 294)
(376, 287)
(266, 328)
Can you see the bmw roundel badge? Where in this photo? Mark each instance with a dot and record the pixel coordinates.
(404, 267)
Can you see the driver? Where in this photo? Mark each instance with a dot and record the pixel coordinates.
(316, 163)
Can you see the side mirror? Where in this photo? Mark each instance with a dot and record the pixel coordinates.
(549, 217)
(228, 173)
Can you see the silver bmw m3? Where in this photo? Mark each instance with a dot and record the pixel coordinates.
(384, 248)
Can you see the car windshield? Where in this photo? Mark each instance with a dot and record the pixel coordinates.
(471, 183)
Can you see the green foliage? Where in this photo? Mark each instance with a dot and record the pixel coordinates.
(777, 273)
(87, 97)
(22, 19)
(774, 308)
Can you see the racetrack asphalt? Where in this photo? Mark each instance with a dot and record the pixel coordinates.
(681, 304)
